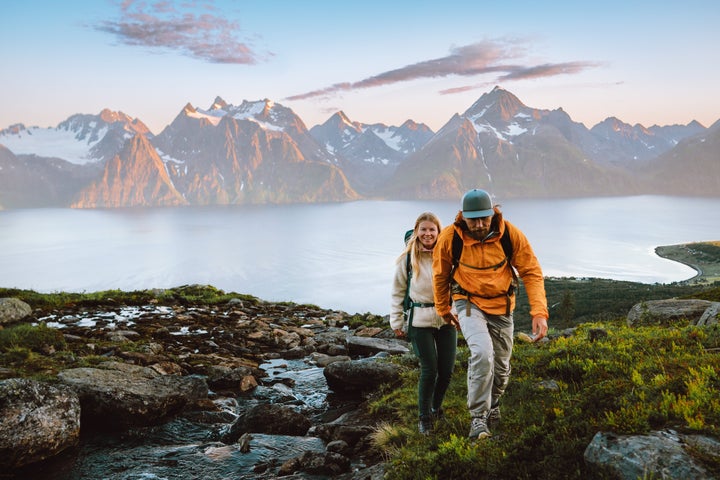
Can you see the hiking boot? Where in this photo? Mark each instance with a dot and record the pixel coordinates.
(436, 415)
(425, 426)
(493, 416)
(479, 428)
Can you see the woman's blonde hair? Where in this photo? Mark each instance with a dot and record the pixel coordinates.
(414, 245)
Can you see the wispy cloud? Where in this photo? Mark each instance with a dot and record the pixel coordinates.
(488, 57)
(160, 25)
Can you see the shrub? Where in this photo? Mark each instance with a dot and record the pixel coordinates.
(40, 338)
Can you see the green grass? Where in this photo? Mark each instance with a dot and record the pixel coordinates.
(560, 395)
(185, 295)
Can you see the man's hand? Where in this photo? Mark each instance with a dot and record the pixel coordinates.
(452, 319)
(399, 332)
(539, 327)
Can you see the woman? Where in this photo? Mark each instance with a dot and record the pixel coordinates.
(434, 341)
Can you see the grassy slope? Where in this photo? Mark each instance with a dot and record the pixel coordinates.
(631, 381)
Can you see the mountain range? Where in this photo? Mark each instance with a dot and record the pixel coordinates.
(262, 152)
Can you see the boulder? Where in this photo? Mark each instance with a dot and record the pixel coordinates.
(368, 346)
(315, 463)
(13, 310)
(661, 454)
(268, 418)
(118, 395)
(37, 421)
(667, 312)
(710, 316)
(360, 375)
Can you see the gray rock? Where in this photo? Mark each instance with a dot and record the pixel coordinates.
(119, 395)
(360, 375)
(326, 463)
(367, 346)
(711, 315)
(13, 310)
(268, 418)
(662, 454)
(667, 312)
(323, 360)
(37, 421)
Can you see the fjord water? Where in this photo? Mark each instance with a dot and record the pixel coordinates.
(338, 256)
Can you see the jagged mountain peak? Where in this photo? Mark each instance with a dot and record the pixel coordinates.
(219, 104)
(188, 109)
(615, 126)
(340, 121)
(413, 125)
(110, 116)
(498, 104)
(82, 123)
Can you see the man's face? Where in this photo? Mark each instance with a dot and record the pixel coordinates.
(478, 228)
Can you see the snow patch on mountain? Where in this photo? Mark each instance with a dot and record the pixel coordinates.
(52, 142)
(390, 138)
(514, 130)
(212, 116)
(487, 128)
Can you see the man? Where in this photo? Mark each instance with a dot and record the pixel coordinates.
(481, 287)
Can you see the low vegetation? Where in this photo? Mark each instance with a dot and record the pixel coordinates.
(561, 394)
(626, 380)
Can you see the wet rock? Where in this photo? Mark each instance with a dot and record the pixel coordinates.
(327, 463)
(350, 435)
(360, 375)
(13, 310)
(365, 346)
(323, 360)
(37, 421)
(118, 395)
(374, 472)
(220, 377)
(268, 418)
(338, 446)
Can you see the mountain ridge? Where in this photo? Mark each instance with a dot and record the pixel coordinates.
(262, 152)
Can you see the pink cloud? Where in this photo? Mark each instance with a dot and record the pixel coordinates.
(482, 58)
(204, 36)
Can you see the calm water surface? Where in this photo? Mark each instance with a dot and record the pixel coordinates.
(338, 256)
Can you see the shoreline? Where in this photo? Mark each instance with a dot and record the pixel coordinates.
(694, 255)
(699, 274)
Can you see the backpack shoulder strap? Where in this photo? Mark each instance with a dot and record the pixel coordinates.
(457, 246)
(507, 244)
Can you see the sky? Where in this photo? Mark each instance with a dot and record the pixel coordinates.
(644, 62)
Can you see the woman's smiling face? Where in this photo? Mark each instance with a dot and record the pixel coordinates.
(427, 234)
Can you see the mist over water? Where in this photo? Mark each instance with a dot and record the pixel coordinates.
(338, 256)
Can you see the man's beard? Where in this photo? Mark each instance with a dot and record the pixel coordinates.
(478, 234)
